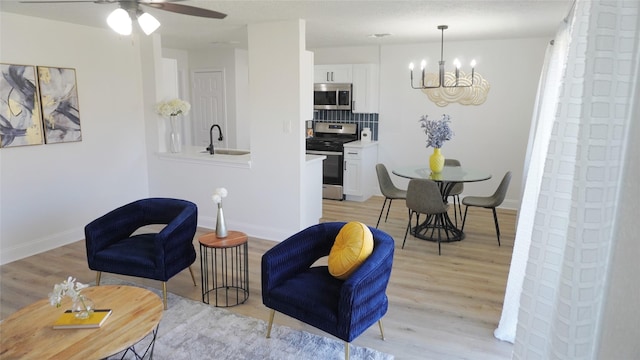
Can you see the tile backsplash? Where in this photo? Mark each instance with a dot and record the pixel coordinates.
(347, 117)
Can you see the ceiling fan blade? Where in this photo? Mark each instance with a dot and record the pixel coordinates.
(70, 1)
(185, 9)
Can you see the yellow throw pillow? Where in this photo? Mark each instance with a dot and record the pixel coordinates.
(352, 247)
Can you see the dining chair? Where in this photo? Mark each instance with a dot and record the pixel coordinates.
(388, 189)
(489, 202)
(424, 197)
(455, 192)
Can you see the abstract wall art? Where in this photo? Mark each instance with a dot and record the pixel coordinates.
(59, 99)
(20, 116)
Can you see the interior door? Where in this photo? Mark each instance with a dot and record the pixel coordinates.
(208, 106)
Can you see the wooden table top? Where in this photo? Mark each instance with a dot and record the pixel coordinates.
(29, 333)
(233, 238)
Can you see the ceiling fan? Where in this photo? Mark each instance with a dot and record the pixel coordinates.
(120, 19)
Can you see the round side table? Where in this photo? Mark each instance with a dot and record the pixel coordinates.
(228, 257)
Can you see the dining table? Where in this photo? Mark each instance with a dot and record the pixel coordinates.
(446, 180)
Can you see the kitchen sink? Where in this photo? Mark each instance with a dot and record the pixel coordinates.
(228, 152)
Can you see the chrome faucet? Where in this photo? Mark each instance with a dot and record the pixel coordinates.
(210, 148)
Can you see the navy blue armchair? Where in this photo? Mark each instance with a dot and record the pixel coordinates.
(342, 308)
(113, 247)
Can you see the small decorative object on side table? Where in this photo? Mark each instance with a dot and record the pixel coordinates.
(221, 225)
(229, 278)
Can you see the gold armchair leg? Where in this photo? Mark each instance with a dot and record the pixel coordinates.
(98, 275)
(192, 276)
(381, 331)
(273, 312)
(164, 294)
(346, 350)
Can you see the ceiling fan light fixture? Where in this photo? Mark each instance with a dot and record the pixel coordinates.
(148, 23)
(120, 21)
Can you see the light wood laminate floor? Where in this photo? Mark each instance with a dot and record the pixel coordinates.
(440, 307)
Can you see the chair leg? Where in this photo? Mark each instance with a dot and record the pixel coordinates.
(380, 326)
(164, 294)
(98, 275)
(346, 350)
(388, 208)
(455, 213)
(439, 219)
(273, 312)
(408, 227)
(382, 210)
(464, 219)
(459, 208)
(495, 220)
(192, 276)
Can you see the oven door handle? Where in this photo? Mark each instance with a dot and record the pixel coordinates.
(317, 152)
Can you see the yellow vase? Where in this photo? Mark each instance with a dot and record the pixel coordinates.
(436, 161)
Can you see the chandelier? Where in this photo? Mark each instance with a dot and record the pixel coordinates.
(457, 81)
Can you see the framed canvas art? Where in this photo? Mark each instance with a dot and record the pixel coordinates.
(20, 116)
(59, 99)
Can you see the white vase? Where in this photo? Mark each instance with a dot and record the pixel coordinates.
(175, 140)
(221, 226)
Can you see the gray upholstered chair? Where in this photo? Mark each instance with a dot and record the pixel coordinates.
(489, 202)
(424, 197)
(455, 192)
(388, 189)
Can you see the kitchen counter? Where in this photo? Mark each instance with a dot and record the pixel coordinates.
(361, 144)
(196, 154)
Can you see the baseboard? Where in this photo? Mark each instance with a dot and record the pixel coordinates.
(33, 247)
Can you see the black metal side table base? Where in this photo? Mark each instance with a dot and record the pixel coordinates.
(228, 279)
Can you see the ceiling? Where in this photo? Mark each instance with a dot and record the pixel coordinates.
(331, 23)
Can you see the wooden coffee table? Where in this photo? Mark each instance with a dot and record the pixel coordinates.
(28, 333)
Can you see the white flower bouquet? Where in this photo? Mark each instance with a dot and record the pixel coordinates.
(218, 195)
(437, 131)
(173, 107)
(69, 287)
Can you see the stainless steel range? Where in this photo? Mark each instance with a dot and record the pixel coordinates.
(328, 140)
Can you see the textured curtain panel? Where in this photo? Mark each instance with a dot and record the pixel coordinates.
(551, 82)
(573, 232)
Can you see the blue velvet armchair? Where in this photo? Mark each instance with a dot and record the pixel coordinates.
(342, 308)
(113, 247)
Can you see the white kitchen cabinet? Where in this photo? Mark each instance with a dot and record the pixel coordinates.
(365, 88)
(360, 179)
(332, 74)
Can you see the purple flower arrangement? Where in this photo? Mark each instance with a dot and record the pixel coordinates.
(437, 131)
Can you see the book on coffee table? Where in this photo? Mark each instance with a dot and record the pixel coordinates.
(68, 320)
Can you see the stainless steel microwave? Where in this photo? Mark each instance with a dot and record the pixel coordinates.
(332, 96)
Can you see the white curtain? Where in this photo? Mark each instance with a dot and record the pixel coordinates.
(565, 230)
(539, 135)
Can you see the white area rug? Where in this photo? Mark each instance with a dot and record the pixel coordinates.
(194, 330)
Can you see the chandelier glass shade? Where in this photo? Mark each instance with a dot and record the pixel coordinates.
(443, 82)
(120, 20)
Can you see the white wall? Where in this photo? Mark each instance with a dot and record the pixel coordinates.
(492, 136)
(50, 192)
